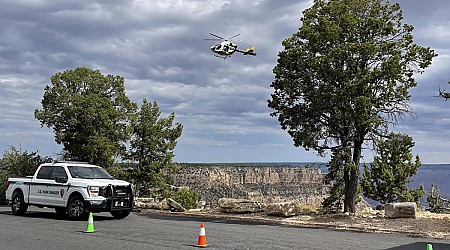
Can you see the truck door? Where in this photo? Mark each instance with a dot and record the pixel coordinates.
(39, 185)
(58, 187)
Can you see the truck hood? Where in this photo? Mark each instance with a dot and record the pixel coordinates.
(98, 182)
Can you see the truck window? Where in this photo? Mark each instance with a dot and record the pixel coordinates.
(45, 172)
(88, 172)
(59, 172)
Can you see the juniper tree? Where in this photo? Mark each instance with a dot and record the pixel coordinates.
(344, 77)
(89, 114)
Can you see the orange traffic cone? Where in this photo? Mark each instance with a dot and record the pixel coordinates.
(202, 237)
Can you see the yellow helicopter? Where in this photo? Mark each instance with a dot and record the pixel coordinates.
(226, 48)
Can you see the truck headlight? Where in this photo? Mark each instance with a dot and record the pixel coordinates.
(93, 191)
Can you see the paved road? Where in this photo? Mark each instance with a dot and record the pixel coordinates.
(43, 229)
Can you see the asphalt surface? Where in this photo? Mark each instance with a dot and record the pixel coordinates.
(44, 229)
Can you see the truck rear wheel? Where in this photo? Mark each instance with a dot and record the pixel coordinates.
(18, 205)
(120, 214)
(75, 208)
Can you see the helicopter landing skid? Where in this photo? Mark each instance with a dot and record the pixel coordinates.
(220, 56)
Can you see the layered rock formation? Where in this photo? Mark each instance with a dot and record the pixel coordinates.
(268, 184)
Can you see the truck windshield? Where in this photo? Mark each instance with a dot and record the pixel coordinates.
(88, 172)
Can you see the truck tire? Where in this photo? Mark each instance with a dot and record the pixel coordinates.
(75, 208)
(18, 205)
(120, 214)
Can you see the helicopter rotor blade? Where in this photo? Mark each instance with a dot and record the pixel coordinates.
(213, 39)
(233, 36)
(217, 36)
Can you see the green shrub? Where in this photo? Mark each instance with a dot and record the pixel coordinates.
(436, 203)
(185, 197)
(18, 163)
(3, 179)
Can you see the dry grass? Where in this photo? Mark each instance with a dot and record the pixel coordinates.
(429, 215)
(307, 209)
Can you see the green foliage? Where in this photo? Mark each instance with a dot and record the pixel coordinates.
(436, 203)
(119, 173)
(387, 178)
(185, 197)
(18, 163)
(93, 119)
(3, 180)
(152, 144)
(88, 113)
(335, 179)
(344, 77)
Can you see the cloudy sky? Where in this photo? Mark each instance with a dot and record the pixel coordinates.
(159, 47)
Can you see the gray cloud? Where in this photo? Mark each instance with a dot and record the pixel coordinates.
(159, 47)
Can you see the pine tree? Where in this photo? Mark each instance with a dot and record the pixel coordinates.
(387, 178)
(152, 144)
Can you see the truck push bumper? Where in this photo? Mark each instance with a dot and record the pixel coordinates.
(96, 205)
(107, 205)
(114, 198)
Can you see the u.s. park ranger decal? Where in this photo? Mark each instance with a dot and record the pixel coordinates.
(48, 192)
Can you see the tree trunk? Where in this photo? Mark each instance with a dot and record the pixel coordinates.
(351, 175)
(346, 186)
(351, 189)
(347, 166)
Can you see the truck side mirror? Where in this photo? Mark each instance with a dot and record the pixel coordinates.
(61, 179)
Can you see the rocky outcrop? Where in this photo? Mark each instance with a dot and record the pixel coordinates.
(285, 209)
(400, 210)
(165, 204)
(175, 206)
(239, 206)
(150, 203)
(269, 184)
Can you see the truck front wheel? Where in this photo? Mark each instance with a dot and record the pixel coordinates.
(75, 208)
(18, 205)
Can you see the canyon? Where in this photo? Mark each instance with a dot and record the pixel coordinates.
(265, 183)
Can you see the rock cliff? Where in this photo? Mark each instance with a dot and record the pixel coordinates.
(265, 183)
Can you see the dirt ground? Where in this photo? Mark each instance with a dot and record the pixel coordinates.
(425, 224)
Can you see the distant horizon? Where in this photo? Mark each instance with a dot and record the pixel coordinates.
(287, 162)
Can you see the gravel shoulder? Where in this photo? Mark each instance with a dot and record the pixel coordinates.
(424, 225)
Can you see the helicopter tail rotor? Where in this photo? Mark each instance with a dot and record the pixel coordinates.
(248, 51)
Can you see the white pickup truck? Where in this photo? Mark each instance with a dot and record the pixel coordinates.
(72, 188)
